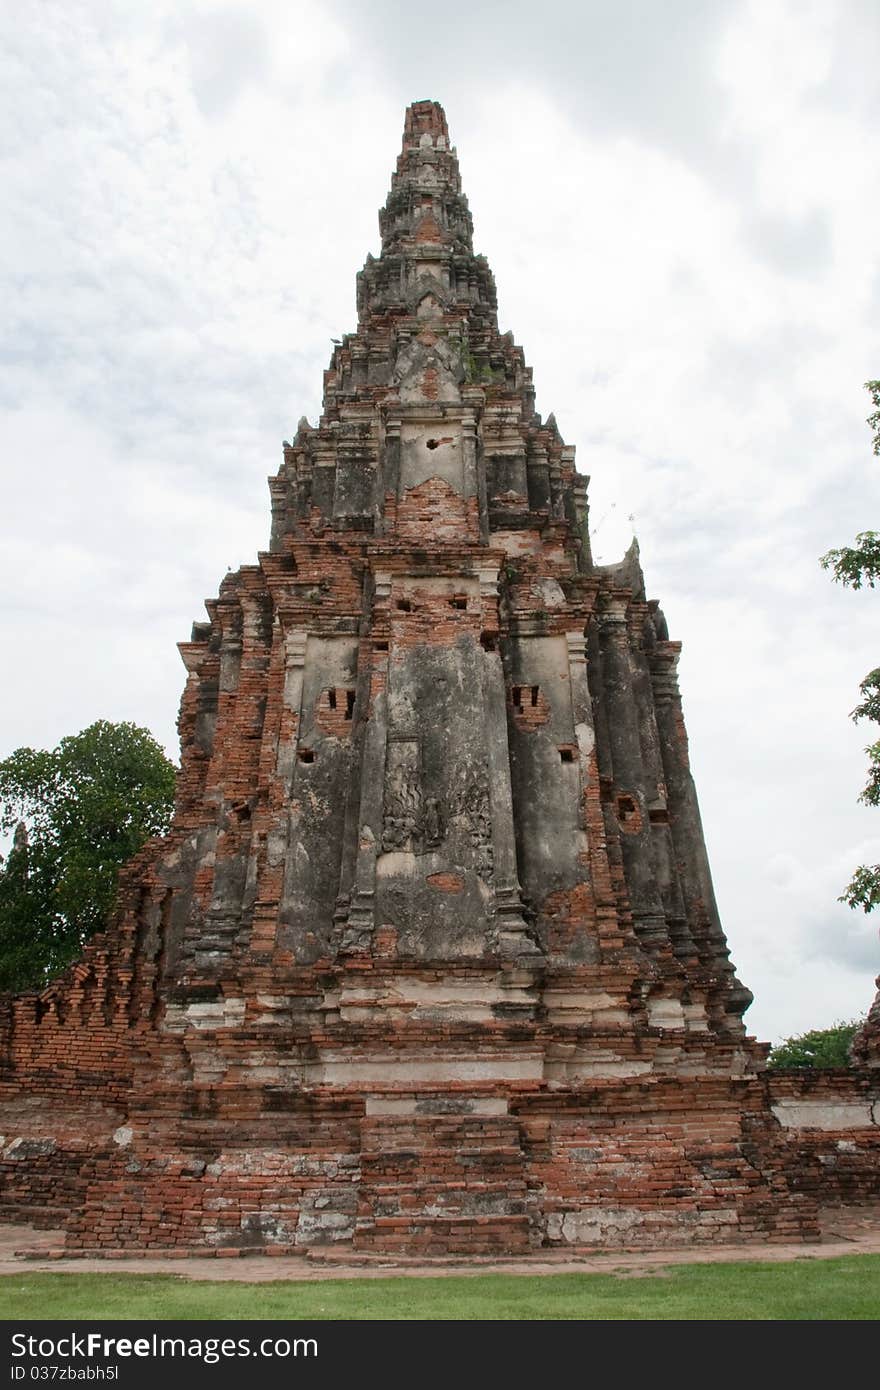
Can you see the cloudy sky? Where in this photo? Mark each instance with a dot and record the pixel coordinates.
(680, 202)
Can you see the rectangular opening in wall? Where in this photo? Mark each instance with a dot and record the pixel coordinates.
(331, 698)
(566, 755)
(516, 697)
(535, 690)
(404, 605)
(305, 755)
(381, 646)
(458, 602)
(349, 703)
(488, 642)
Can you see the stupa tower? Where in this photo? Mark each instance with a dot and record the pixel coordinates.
(426, 726)
(430, 959)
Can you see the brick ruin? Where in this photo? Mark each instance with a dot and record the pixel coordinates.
(430, 960)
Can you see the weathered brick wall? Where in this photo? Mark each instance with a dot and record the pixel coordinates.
(370, 1158)
(830, 1132)
(660, 1162)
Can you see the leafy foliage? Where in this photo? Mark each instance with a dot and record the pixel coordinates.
(854, 566)
(821, 1048)
(79, 812)
(863, 889)
(874, 420)
(869, 705)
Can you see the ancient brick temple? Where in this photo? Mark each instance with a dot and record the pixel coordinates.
(430, 960)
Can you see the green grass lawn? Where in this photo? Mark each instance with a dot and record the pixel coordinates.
(845, 1288)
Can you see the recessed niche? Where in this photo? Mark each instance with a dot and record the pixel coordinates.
(340, 699)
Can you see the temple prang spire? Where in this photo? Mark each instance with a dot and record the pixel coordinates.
(430, 961)
(426, 207)
(424, 126)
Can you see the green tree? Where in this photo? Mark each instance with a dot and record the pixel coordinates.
(854, 566)
(78, 813)
(821, 1048)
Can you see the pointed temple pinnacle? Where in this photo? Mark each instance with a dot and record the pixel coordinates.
(425, 206)
(425, 118)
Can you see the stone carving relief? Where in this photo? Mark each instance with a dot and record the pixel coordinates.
(411, 820)
(432, 823)
(472, 809)
(403, 796)
(418, 823)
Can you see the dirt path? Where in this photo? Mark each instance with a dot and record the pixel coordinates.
(844, 1232)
